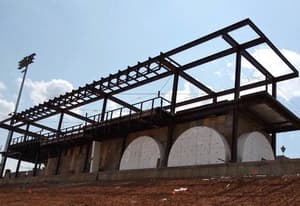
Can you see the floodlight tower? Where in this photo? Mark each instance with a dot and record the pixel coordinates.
(23, 66)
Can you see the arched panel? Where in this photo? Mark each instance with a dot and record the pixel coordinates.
(199, 146)
(143, 152)
(254, 146)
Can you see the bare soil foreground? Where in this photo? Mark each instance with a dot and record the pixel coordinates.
(222, 191)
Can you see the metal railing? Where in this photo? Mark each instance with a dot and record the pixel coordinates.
(115, 114)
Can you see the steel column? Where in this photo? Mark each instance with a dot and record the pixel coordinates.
(123, 147)
(26, 134)
(87, 158)
(58, 161)
(170, 134)
(18, 165)
(36, 162)
(60, 150)
(174, 92)
(273, 135)
(235, 115)
(59, 124)
(103, 109)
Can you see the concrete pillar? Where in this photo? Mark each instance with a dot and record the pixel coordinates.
(95, 156)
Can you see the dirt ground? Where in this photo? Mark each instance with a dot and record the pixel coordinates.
(222, 191)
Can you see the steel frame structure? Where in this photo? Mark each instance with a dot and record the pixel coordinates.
(142, 73)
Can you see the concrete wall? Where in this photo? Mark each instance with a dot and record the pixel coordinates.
(110, 154)
(112, 149)
(95, 156)
(72, 161)
(242, 169)
(159, 134)
(51, 166)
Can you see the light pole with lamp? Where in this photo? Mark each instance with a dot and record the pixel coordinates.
(22, 64)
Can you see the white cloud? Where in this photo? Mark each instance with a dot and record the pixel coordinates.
(268, 58)
(41, 91)
(185, 94)
(6, 107)
(2, 86)
(288, 89)
(291, 88)
(229, 64)
(182, 95)
(218, 73)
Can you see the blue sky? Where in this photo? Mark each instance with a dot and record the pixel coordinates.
(79, 41)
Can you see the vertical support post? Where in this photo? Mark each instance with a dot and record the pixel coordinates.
(36, 162)
(58, 160)
(18, 165)
(123, 144)
(26, 133)
(103, 108)
(60, 122)
(273, 135)
(124, 140)
(20, 155)
(164, 162)
(237, 83)
(235, 115)
(174, 92)
(60, 149)
(87, 157)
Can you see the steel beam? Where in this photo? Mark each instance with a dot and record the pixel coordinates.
(79, 116)
(21, 131)
(177, 69)
(125, 104)
(273, 47)
(223, 53)
(235, 115)
(208, 37)
(248, 56)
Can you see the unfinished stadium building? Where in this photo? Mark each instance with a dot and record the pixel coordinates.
(236, 124)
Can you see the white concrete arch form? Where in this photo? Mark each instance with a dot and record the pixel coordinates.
(254, 146)
(143, 152)
(199, 146)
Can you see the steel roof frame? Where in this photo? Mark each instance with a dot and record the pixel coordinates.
(153, 69)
